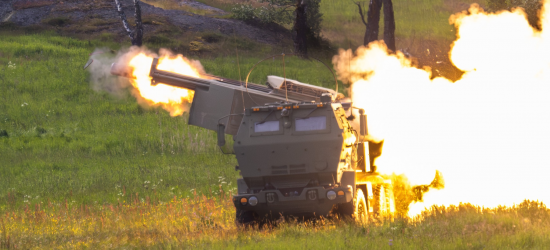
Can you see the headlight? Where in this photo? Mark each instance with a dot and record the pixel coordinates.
(331, 195)
(253, 201)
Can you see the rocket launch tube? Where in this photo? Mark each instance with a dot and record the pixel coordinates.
(173, 79)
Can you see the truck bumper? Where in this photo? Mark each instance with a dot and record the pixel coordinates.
(310, 202)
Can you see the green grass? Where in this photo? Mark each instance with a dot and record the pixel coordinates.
(67, 141)
(81, 168)
(414, 20)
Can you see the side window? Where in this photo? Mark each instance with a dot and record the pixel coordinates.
(311, 123)
(267, 126)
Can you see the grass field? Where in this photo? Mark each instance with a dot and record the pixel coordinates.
(86, 169)
(81, 168)
(66, 141)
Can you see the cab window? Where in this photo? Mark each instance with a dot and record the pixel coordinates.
(311, 123)
(267, 126)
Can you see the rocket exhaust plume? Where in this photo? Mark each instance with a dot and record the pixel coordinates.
(135, 65)
(487, 132)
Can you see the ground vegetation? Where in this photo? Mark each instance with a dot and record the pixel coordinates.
(85, 166)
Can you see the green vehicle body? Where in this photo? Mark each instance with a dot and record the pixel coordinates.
(297, 152)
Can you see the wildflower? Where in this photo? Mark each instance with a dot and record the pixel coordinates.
(11, 65)
(24, 104)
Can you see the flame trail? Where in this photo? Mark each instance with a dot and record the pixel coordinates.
(488, 133)
(170, 98)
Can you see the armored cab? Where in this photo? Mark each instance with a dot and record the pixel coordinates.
(293, 158)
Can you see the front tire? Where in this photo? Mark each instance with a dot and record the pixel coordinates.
(244, 218)
(356, 209)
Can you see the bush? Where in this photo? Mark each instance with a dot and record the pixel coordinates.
(243, 12)
(281, 12)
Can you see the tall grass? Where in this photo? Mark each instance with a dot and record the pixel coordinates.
(207, 223)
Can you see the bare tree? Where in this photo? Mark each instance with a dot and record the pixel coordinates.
(373, 18)
(136, 35)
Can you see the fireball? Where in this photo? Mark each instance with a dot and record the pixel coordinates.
(170, 98)
(487, 133)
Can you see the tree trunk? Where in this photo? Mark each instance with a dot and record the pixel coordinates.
(373, 18)
(136, 36)
(300, 29)
(389, 25)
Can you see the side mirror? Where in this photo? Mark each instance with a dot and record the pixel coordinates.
(221, 135)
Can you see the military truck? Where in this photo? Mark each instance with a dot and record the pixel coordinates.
(297, 151)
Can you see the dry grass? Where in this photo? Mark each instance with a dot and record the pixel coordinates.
(202, 222)
(142, 222)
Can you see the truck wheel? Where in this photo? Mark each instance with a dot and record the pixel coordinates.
(244, 218)
(384, 203)
(380, 204)
(361, 213)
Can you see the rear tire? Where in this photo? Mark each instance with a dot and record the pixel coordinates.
(361, 211)
(384, 202)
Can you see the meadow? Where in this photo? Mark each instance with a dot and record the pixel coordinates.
(82, 167)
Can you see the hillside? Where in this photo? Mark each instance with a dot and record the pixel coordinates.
(195, 28)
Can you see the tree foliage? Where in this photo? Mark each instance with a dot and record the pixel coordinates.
(282, 12)
(531, 7)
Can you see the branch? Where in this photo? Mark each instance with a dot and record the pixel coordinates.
(361, 13)
(123, 17)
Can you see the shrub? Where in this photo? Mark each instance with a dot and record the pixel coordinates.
(281, 12)
(243, 12)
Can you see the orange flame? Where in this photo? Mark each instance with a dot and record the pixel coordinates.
(169, 97)
(488, 132)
